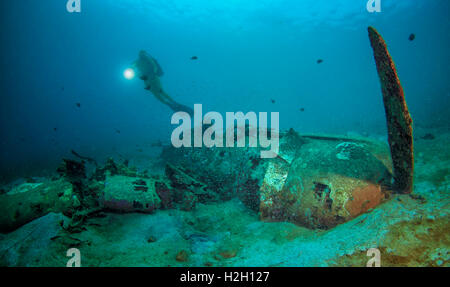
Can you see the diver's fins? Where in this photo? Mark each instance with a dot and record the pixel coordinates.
(176, 107)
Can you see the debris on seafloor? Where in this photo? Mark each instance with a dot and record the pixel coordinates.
(72, 194)
(399, 122)
(316, 181)
(73, 171)
(79, 196)
(113, 168)
(325, 182)
(126, 194)
(187, 191)
(85, 192)
(30, 201)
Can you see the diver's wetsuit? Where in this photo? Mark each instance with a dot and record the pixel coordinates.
(150, 71)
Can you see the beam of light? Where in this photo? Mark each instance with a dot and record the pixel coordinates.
(129, 74)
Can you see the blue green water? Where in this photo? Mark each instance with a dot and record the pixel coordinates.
(249, 53)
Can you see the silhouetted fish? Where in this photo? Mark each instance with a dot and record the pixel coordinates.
(319, 61)
(412, 37)
(273, 101)
(117, 131)
(78, 105)
(302, 109)
(55, 129)
(194, 58)
(428, 137)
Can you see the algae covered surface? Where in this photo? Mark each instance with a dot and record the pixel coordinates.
(409, 230)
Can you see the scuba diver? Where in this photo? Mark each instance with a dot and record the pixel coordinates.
(150, 72)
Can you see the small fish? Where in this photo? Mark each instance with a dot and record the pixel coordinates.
(412, 37)
(273, 101)
(302, 109)
(78, 105)
(55, 129)
(194, 58)
(319, 61)
(428, 137)
(117, 131)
